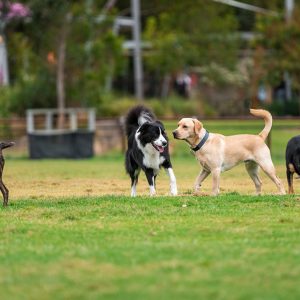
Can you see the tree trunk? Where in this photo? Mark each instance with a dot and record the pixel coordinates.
(60, 73)
(165, 86)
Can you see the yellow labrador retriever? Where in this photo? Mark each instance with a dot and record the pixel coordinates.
(218, 153)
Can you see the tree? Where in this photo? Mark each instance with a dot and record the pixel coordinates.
(279, 42)
(201, 35)
(8, 12)
(71, 43)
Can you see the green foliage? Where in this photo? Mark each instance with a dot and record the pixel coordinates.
(193, 38)
(290, 108)
(5, 94)
(181, 107)
(113, 108)
(169, 52)
(108, 106)
(93, 54)
(217, 75)
(280, 41)
(182, 34)
(32, 93)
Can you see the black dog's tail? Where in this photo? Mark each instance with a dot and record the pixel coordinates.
(4, 145)
(137, 116)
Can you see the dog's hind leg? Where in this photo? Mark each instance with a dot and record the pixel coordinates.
(200, 178)
(3, 188)
(252, 169)
(5, 192)
(267, 165)
(134, 180)
(290, 177)
(216, 173)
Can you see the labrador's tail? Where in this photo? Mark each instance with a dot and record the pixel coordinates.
(261, 113)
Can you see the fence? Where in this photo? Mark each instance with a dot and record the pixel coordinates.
(108, 136)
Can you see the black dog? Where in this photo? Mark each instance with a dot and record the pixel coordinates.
(147, 149)
(3, 188)
(292, 159)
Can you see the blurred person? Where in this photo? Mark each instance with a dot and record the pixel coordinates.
(183, 83)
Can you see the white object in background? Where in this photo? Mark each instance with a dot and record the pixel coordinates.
(4, 78)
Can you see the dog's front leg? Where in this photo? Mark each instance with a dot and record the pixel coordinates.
(173, 185)
(200, 178)
(216, 181)
(151, 181)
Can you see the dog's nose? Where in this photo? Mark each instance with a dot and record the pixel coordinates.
(164, 143)
(174, 133)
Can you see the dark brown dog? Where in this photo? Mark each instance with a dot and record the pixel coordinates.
(3, 188)
(292, 158)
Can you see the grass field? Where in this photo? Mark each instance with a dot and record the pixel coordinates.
(72, 232)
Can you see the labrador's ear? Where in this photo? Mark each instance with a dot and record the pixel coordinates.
(197, 126)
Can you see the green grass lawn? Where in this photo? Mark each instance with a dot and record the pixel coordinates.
(71, 231)
(228, 247)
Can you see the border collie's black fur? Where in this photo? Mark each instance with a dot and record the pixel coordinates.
(292, 159)
(147, 148)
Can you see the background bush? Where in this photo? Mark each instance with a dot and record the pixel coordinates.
(282, 108)
(171, 107)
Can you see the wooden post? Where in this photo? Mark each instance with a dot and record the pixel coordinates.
(92, 119)
(30, 121)
(73, 120)
(122, 133)
(269, 140)
(48, 121)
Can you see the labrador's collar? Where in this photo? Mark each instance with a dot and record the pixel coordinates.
(202, 142)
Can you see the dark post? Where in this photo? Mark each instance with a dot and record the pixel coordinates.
(269, 140)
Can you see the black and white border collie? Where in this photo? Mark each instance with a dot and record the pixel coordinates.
(147, 149)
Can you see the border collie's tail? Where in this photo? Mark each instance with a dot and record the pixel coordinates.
(137, 116)
(4, 145)
(267, 118)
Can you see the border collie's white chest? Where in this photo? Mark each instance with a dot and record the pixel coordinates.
(152, 158)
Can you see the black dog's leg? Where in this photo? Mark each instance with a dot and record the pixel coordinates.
(134, 175)
(289, 176)
(151, 180)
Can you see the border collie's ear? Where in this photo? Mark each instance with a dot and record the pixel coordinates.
(161, 125)
(144, 127)
(197, 126)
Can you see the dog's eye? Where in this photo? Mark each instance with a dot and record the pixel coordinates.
(184, 126)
